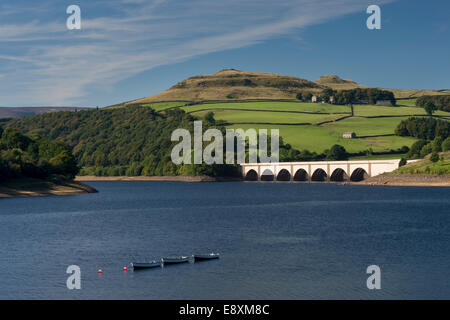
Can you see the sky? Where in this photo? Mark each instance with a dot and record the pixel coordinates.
(129, 49)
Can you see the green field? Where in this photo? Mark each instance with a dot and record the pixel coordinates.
(238, 116)
(407, 102)
(271, 106)
(373, 111)
(373, 125)
(315, 138)
(365, 126)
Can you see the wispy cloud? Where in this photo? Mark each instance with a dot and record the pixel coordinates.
(44, 63)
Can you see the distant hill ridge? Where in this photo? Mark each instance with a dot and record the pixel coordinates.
(19, 112)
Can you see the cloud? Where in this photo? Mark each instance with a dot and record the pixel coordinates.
(44, 63)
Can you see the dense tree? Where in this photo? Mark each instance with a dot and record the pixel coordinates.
(402, 162)
(417, 146)
(446, 145)
(423, 128)
(307, 96)
(369, 95)
(430, 108)
(441, 102)
(337, 152)
(23, 156)
(327, 94)
(434, 157)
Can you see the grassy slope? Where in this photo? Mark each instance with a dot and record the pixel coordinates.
(271, 106)
(428, 167)
(237, 116)
(313, 137)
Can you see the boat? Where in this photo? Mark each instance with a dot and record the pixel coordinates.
(146, 265)
(208, 256)
(175, 260)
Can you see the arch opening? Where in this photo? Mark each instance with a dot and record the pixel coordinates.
(339, 175)
(267, 175)
(319, 175)
(301, 175)
(251, 175)
(359, 175)
(284, 175)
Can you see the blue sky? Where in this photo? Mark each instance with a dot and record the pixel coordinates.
(129, 49)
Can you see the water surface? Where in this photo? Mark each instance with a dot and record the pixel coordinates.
(277, 241)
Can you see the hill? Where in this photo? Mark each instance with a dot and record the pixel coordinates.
(8, 112)
(336, 83)
(232, 85)
(236, 85)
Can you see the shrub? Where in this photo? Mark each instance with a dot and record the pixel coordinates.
(426, 149)
(402, 162)
(446, 145)
(434, 157)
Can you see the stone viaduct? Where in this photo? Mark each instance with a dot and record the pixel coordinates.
(317, 171)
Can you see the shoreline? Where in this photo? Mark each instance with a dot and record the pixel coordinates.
(159, 178)
(405, 180)
(41, 188)
(386, 179)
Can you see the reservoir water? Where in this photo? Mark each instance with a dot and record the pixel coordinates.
(276, 240)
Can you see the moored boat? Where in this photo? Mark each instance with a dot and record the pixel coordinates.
(175, 260)
(146, 265)
(208, 256)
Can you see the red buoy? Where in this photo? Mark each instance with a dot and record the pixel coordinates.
(125, 268)
(100, 271)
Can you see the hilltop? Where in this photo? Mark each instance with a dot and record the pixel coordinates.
(231, 84)
(236, 85)
(336, 83)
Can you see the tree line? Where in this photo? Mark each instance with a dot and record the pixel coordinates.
(434, 136)
(433, 103)
(351, 96)
(34, 157)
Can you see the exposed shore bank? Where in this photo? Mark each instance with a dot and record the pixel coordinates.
(387, 179)
(159, 178)
(412, 180)
(40, 188)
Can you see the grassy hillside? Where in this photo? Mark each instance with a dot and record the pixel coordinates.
(234, 85)
(336, 83)
(316, 126)
(427, 166)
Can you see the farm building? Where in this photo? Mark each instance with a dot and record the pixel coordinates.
(349, 135)
(315, 99)
(384, 102)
